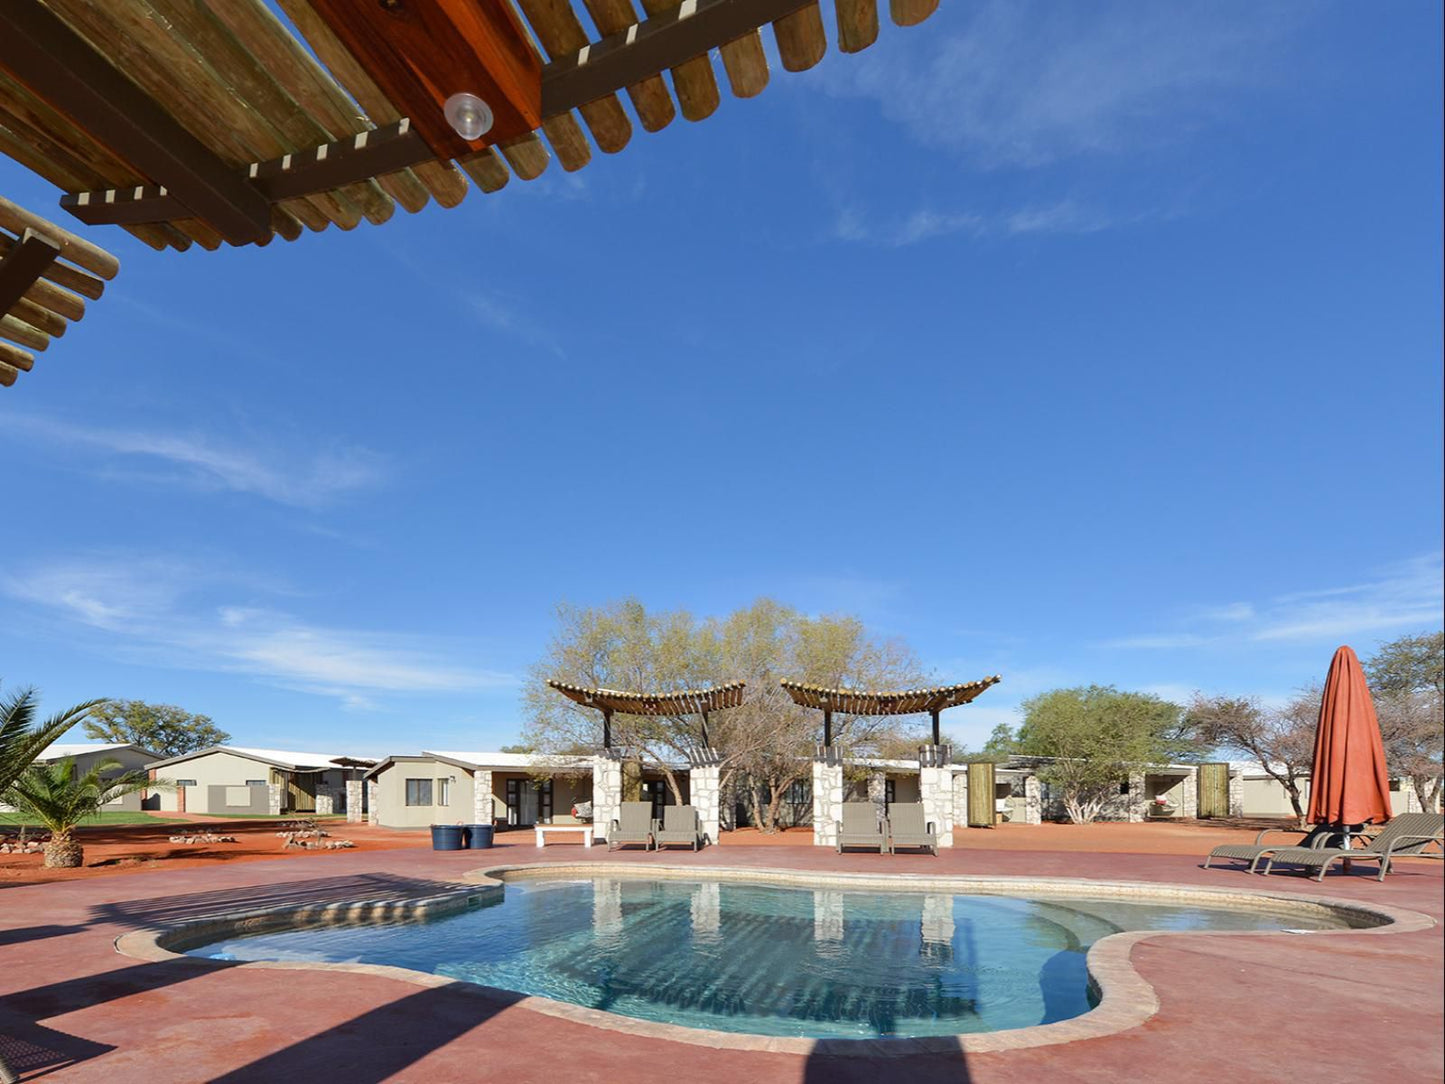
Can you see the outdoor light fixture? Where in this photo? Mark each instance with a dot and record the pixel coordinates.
(469, 116)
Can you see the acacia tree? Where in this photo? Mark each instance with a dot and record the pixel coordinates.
(161, 728)
(1407, 681)
(765, 744)
(1095, 735)
(1281, 739)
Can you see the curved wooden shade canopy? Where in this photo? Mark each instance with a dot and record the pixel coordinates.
(870, 702)
(874, 702)
(687, 702)
(189, 123)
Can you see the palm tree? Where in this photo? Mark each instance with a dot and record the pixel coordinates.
(21, 740)
(59, 799)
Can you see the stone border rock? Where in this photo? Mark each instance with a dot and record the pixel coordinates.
(1126, 999)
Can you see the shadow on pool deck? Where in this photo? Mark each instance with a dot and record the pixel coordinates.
(32, 1051)
(824, 1067)
(378, 1044)
(172, 909)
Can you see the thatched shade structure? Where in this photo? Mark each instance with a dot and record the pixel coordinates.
(872, 702)
(687, 702)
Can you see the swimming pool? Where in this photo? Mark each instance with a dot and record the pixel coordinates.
(827, 962)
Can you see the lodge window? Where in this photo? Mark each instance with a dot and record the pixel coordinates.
(185, 782)
(800, 793)
(418, 792)
(444, 792)
(255, 782)
(890, 791)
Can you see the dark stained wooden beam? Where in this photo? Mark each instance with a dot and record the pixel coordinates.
(320, 169)
(22, 265)
(39, 49)
(654, 45)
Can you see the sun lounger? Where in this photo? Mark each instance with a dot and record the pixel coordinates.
(679, 824)
(907, 828)
(861, 826)
(633, 825)
(1318, 836)
(1409, 833)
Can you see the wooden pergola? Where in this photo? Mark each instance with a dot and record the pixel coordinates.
(46, 273)
(870, 702)
(196, 123)
(700, 702)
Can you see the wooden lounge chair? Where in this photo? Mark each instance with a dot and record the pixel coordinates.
(1409, 833)
(861, 827)
(679, 824)
(907, 828)
(1318, 836)
(633, 825)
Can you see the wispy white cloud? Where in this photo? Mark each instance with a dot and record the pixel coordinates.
(925, 224)
(1026, 85)
(1406, 596)
(166, 612)
(266, 469)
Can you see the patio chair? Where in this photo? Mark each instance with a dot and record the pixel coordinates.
(861, 826)
(1409, 833)
(680, 824)
(1318, 836)
(633, 825)
(907, 828)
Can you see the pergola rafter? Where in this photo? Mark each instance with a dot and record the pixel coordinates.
(933, 701)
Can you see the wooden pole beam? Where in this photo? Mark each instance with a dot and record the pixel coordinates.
(40, 49)
(22, 265)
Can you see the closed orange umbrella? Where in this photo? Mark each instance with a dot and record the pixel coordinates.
(1349, 783)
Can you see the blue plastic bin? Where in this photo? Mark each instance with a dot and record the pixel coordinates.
(447, 837)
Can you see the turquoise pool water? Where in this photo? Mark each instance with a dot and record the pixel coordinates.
(768, 960)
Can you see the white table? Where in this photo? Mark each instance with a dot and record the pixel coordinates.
(585, 829)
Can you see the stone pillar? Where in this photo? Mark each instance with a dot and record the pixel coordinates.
(827, 797)
(273, 799)
(706, 795)
(935, 790)
(325, 803)
(606, 794)
(878, 791)
(1411, 796)
(1136, 797)
(355, 803)
(960, 799)
(1189, 803)
(373, 802)
(1033, 800)
(483, 811)
(1236, 794)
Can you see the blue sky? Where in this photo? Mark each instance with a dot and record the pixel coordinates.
(1075, 343)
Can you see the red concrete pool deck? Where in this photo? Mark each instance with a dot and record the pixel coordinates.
(1348, 1007)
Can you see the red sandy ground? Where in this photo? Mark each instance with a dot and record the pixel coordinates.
(1347, 1007)
(134, 848)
